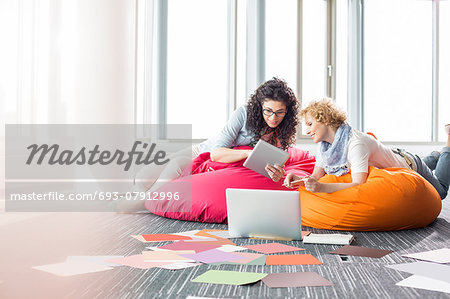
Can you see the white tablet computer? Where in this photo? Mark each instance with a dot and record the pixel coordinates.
(264, 153)
(267, 214)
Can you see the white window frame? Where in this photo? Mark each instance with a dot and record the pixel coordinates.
(151, 100)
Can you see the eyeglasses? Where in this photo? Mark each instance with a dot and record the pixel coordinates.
(269, 113)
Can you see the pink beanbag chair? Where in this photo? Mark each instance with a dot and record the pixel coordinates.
(201, 196)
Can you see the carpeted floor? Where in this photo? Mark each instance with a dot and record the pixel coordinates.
(51, 237)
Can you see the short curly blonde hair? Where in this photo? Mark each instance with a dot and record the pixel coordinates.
(325, 111)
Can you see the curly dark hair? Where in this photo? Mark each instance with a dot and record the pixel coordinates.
(276, 90)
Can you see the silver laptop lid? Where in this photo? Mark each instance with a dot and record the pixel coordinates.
(264, 213)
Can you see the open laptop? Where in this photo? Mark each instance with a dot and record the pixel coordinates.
(266, 214)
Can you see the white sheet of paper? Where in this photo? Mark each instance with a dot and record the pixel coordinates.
(438, 256)
(171, 256)
(70, 268)
(430, 270)
(98, 259)
(177, 266)
(230, 248)
(425, 283)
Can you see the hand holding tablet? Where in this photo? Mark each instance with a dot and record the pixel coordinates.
(276, 172)
(264, 154)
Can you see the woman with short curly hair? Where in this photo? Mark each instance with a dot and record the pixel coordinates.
(325, 112)
(343, 149)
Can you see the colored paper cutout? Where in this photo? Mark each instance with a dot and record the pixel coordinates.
(269, 248)
(229, 277)
(213, 256)
(139, 238)
(216, 242)
(292, 259)
(260, 261)
(204, 232)
(192, 234)
(305, 233)
(361, 251)
(196, 246)
(295, 279)
(224, 234)
(164, 237)
(248, 257)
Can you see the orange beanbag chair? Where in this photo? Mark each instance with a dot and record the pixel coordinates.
(391, 199)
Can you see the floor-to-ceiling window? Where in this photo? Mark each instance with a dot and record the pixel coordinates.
(398, 69)
(197, 65)
(313, 50)
(281, 41)
(396, 54)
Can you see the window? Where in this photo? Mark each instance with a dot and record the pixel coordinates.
(394, 98)
(313, 50)
(398, 69)
(197, 65)
(281, 41)
(341, 53)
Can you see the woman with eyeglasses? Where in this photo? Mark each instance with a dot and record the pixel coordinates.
(271, 114)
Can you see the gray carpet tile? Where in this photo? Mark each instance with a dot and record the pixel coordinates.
(52, 238)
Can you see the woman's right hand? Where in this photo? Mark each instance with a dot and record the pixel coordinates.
(292, 180)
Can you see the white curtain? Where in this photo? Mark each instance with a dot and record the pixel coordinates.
(67, 62)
